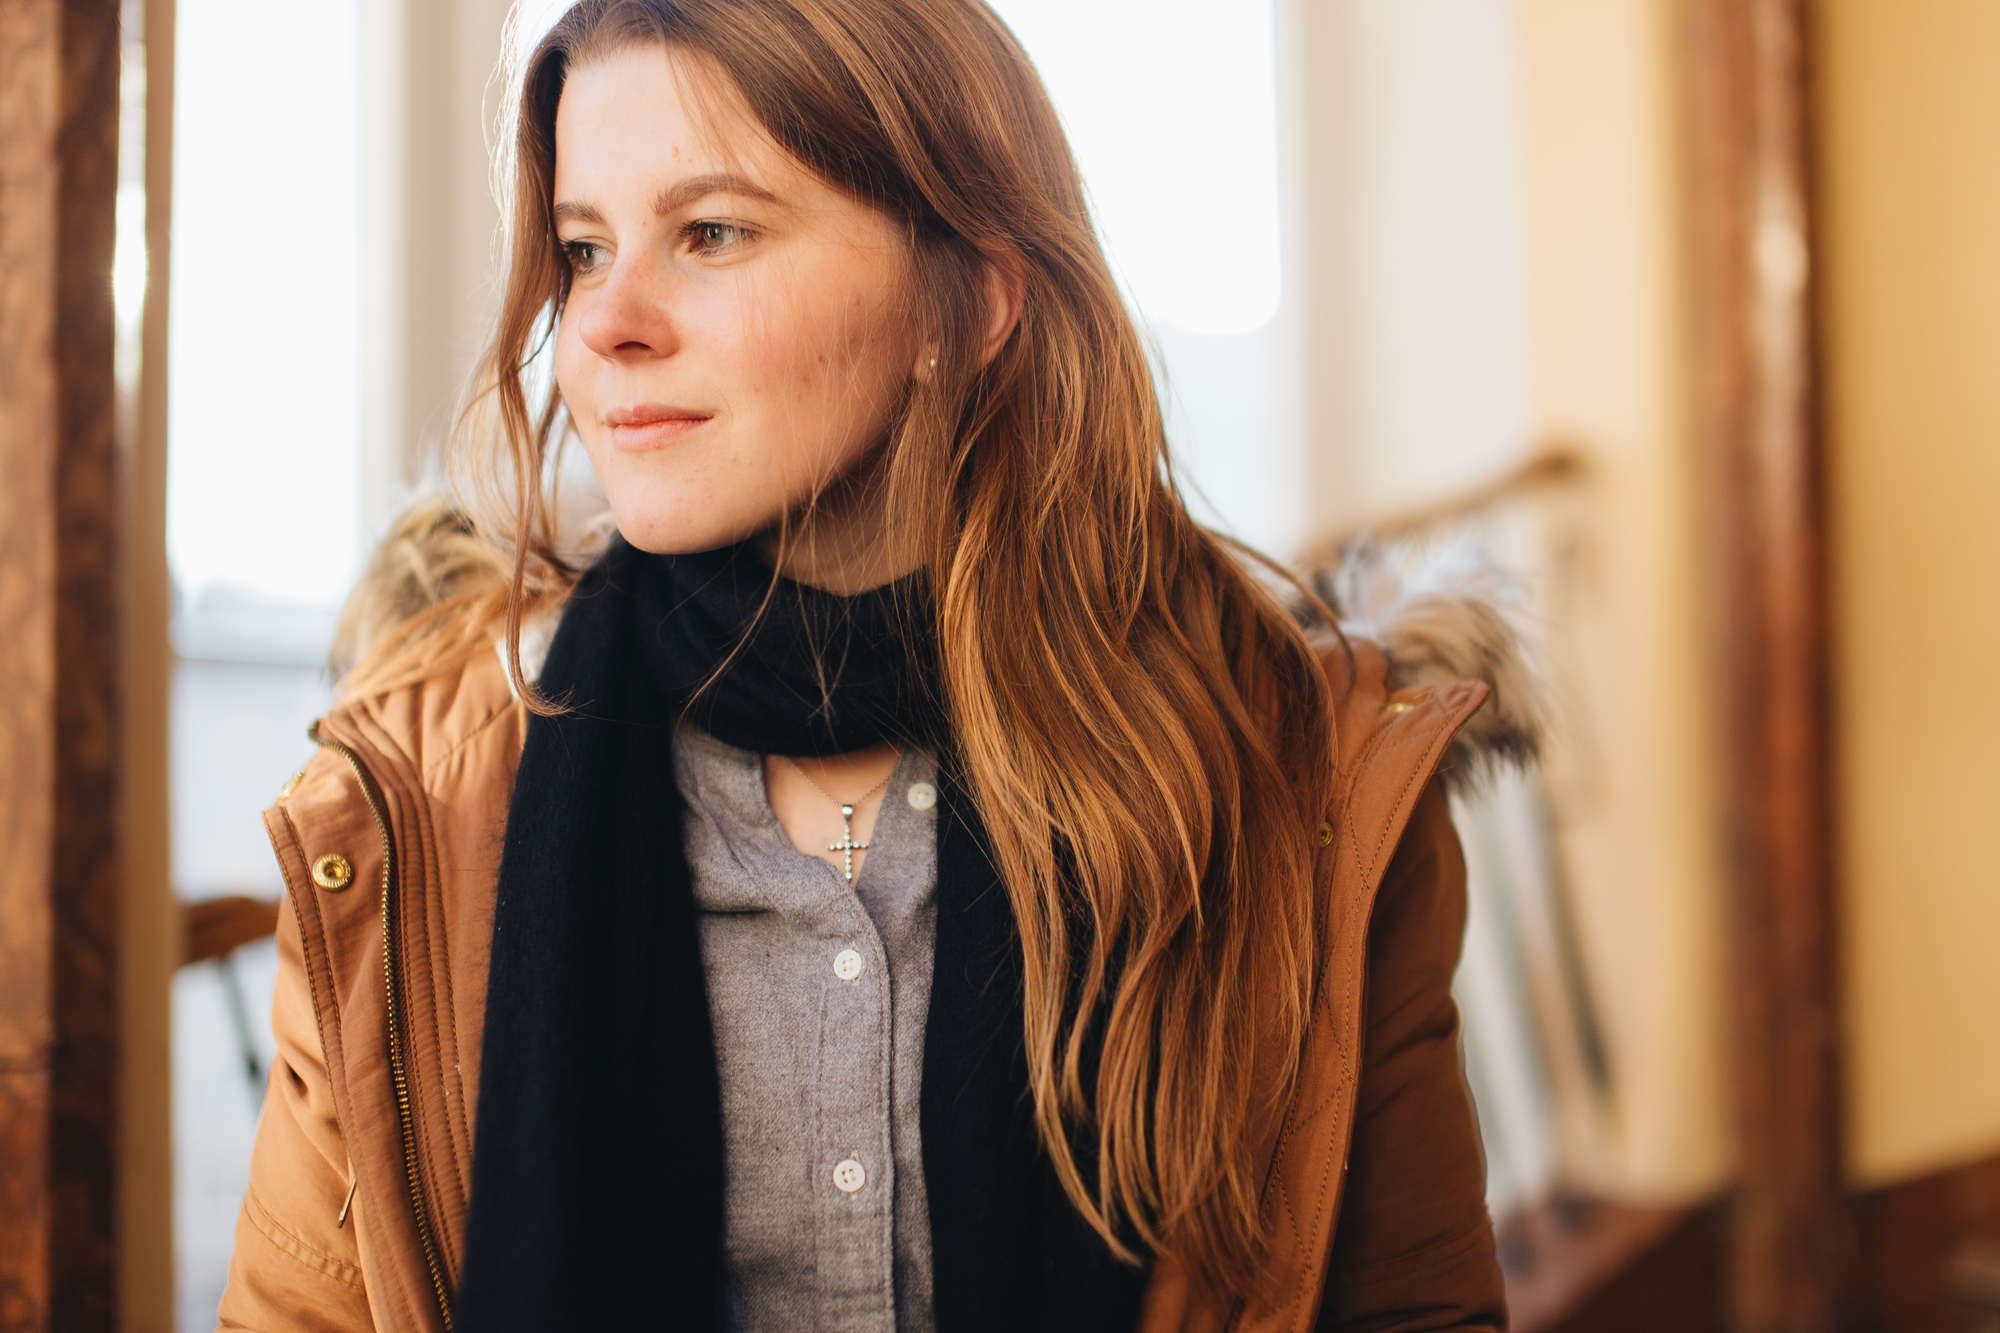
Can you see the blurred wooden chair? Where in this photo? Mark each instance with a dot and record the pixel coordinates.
(212, 930)
(216, 927)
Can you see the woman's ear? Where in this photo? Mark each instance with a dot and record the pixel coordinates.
(1005, 292)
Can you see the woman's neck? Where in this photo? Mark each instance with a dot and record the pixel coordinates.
(842, 542)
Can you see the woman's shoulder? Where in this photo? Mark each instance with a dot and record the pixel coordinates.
(448, 727)
(432, 761)
(422, 651)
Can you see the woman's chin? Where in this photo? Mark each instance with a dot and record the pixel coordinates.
(683, 533)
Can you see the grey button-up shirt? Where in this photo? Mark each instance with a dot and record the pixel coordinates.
(818, 992)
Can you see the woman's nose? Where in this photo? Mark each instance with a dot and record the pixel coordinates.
(627, 319)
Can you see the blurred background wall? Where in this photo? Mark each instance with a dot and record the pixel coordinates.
(1493, 266)
(1909, 162)
(1636, 751)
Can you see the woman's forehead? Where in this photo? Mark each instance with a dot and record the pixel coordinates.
(667, 113)
(672, 124)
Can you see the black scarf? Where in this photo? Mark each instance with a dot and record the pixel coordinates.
(598, 1173)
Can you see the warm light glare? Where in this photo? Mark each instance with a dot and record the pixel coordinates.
(1171, 107)
(532, 18)
(128, 259)
(264, 466)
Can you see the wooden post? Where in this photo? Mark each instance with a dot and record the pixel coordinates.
(60, 666)
(150, 931)
(1754, 344)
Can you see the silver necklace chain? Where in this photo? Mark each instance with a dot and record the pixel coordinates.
(847, 846)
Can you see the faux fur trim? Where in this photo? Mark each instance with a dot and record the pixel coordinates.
(1443, 611)
(537, 633)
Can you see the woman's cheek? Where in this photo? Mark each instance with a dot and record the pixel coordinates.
(572, 377)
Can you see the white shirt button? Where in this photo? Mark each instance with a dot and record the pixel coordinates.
(922, 796)
(847, 965)
(849, 1175)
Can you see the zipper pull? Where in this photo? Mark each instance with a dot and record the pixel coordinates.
(348, 1202)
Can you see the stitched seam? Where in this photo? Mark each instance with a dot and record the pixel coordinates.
(1447, 725)
(442, 987)
(1329, 1173)
(1361, 762)
(1375, 742)
(1285, 1199)
(449, 1010)
(1295, 1294)
(399, 764)
(295, 1246)
(1275, 1176)
(321, 1018)
(1296, 1283)
(1382, 838)
(1295, 1290)
(334, 1055)
(415, 812)
(498, 713)
(1402, 798)
(428, 1167)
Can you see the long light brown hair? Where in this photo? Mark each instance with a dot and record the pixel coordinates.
(1145, 729)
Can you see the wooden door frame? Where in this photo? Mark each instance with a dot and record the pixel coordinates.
(61, 667)
(1756, 370)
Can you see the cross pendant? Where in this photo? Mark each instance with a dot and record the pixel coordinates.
(847, 846)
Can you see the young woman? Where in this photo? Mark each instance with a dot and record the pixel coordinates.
(929, 883)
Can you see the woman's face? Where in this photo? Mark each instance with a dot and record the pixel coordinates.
(735, 339)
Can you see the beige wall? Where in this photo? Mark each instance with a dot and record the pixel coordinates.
(1489, 195)
(1634, 769)
(1407, 256)
(428, 229)
(1909, 167)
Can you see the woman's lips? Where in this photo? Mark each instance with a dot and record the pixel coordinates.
(650, 426)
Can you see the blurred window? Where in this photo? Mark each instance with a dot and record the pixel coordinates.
(264, 463)
(1171, 107)
(263, 527)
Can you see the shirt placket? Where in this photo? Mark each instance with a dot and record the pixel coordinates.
(854, 1172)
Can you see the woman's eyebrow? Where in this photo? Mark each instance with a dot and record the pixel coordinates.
(672, 198)
(676, 197)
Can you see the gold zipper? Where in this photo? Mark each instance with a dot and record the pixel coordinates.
(397, 1073)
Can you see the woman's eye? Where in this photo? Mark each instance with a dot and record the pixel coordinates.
(713, 237)
(583, 256)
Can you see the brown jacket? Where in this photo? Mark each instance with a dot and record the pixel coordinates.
(390, 845)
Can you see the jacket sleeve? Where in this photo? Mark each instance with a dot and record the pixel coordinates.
(297, 1265)
(1414, 1250)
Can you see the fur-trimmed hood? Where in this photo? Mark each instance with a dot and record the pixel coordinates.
(1443, 611)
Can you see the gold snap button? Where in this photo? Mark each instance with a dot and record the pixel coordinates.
(1397, 706)
(332, 872)
(1325, 834)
